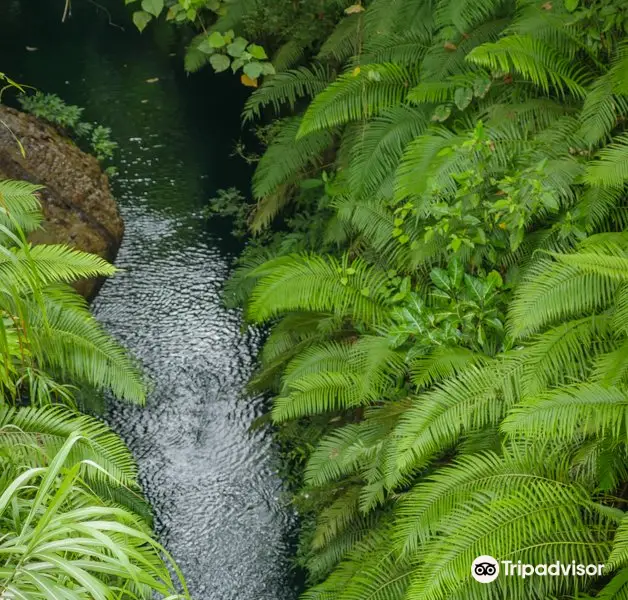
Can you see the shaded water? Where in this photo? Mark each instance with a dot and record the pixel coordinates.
(212, 484)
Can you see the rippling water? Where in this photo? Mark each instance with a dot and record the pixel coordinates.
(211, 482)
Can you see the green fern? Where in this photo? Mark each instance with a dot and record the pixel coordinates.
(287, 88)
(355, 96)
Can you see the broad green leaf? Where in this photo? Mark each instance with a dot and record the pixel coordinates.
(481, 85)
(206, 47)
(253, 69)
(220, 62)
(154, 7)
(237, 47)
(229, 35)
(441, 113)
(571, 5)
(141, 19)
(268, 68)
(455, 271)
(440, 278)
(236, 64)
(257, 52)
(216, 40)
(494, 279)
(463, 97)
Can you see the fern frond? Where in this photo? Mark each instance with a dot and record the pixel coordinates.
(464, 15)
(288, 156)
(552, 290)
(534, 60)
(44, 264)
(288, 55)
(376, 155)
(611, 168)
(406, 48)
(356, 96)
(19, 205)
(343, 41)
(565, 353)
(69, 339)
(313, 283)
(534, 519)
(571, 412)
(422, 513)
(442, 364)
(35, 435)
(601, 110)
(476, 398)
(287, 88)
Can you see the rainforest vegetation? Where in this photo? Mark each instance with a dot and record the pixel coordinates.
(73, 521)
(438, 252)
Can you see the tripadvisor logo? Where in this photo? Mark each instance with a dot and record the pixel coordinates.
(486, 569)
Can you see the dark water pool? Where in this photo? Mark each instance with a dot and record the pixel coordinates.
(212, 483)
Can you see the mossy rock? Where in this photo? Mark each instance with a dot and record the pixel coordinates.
(78, 207)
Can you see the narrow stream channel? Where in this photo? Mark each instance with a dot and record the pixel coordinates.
(212, 483)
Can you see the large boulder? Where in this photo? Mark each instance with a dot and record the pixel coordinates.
(78, 207)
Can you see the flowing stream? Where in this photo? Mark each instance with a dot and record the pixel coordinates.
(212, 484)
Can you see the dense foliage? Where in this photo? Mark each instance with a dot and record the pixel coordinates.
(73, 522)
(67, 117)
(447, 288)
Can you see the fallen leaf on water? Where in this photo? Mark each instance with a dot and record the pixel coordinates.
(248, 81)
(152, 80)
(32, 48)
(144, 101)
(354, 9)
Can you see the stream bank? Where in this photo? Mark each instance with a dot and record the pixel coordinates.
(78, 207)
(212, 483)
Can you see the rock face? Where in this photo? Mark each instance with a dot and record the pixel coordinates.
(78, 207)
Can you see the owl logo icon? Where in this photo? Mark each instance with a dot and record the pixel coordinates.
(485, 569)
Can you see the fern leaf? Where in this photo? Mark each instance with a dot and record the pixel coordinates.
(356, 96)
(287, 88)
(534, 60)
(288, 156)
